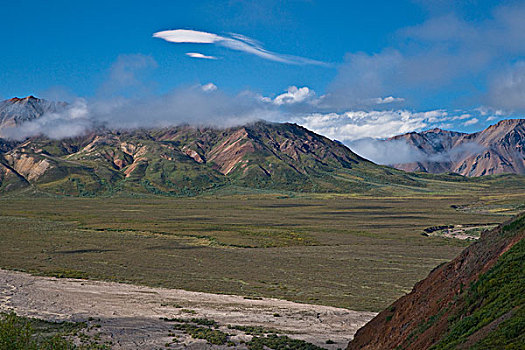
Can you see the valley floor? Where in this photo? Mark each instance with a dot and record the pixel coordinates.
(190, 256)
(131, 316)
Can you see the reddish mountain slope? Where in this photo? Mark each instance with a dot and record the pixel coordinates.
(498, 149)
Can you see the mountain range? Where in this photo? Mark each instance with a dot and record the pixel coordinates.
(183, 160)
(498, 149)
(188, 160)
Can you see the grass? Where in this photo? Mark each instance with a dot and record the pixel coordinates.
(342, 250)
(497, 298)
(198, 321)
(22, 333)
(274, 341)
(212, 336)
(262, 338)
(255, 330)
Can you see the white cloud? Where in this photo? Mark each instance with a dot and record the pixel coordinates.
(188, 36)
(378, 124)
(507, 90)
(483, 110)
(354, 125)
(209, 87)
(386, 152)
(471, 122)
(462, 116)
(200, 55)
(385, 100)
(442, 54)
(234, 41)
(126, 75)
(399, 151)
(363, 131)
(490, 113)
(362, 78)
(294, 95)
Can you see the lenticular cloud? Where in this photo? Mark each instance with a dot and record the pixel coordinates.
(235, 42)
(188, 36)
(200, 55)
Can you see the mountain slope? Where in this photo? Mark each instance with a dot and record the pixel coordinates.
(475, 301)
(188, 161)
(16, 111)
(498, 149)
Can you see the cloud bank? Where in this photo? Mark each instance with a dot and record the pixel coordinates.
(387, 153)
(233, 41)
(119, 106)
(207, 105)
(198, 105)
(354, 125)
(390, 152)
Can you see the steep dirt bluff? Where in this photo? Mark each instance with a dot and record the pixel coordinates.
(498, 149)
(476, 301)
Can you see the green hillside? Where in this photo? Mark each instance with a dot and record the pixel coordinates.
(492, 315)
(473, 302)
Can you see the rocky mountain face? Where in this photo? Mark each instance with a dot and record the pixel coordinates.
(16, 111)
(475, 301)
(185, 160)
(498, 149)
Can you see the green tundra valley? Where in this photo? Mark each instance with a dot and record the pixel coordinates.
(262, 175)
(342, 250)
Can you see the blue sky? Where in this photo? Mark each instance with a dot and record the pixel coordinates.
(72, 43)
(363, 64)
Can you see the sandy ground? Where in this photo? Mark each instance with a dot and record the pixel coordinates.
(460, 232)
(130, 315)
(463, 233)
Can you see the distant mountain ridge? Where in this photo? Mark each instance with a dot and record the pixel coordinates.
(16, 111)
(498, 149)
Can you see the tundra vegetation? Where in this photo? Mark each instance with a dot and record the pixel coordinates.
(23, 333)
(260, 338)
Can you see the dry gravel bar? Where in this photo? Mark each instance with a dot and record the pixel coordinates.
(130, 315)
